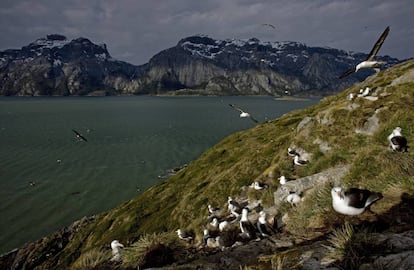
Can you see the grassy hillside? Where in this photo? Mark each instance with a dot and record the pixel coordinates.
(336, 132)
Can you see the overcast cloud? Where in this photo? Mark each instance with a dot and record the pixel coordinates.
(134, 31)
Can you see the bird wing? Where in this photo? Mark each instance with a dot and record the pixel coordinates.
(357, 197)
(378, 44)
(253, 119)
(234, 107)
(399, 140)
(348, 72)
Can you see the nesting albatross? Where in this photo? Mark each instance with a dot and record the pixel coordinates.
(353, 201)
(397, 141)
(116, 251)
(369, 62)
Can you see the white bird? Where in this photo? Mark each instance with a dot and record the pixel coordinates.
(215, 211)
(116, 250)
(364, 92)
(298, 161)
(354, 201)
(293, 198)
(369, 62)
(397, 141)
(234, 207)
(258, 185)
(263, 226)
(220, 225)
(282, 180)
(246, 226)
(184, 235)
(208, 235)
(243, 114)
(350, 96)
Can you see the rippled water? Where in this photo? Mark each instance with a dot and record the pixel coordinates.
(131, 141)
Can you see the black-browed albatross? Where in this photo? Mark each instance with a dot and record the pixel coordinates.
(369, 62)
(79, 136)
(397, 141)
(243, 114)
(353, 201)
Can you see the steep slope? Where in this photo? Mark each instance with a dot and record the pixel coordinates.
(337, 132)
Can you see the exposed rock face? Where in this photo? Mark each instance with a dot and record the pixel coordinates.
(252, 67)
(196, 65)
(303, 184)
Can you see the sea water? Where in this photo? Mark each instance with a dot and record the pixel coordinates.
(48, 178)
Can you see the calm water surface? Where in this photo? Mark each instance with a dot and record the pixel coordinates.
(131, 141)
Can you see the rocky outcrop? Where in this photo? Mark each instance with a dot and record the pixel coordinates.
(303, 184)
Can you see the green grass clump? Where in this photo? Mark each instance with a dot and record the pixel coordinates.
(91, 259)
(152, 250)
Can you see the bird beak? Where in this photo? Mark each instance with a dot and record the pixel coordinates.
(121, 245)
(340, 195)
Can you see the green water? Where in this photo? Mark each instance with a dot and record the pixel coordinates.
(131, 141)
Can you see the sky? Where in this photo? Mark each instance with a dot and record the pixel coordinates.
(134, 31)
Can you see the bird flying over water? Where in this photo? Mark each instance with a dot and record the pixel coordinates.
(369, 62)
(243, 114)
(79, 136)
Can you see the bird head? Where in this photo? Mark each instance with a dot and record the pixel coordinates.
(337, 191)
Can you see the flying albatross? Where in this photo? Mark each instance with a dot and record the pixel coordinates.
(369, 62)
(79, 136)
(268, 24)
(243, 114)
(353, 201)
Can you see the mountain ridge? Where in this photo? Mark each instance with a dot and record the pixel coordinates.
(196, 65)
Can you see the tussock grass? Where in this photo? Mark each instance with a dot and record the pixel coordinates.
(91, 259)
(348, 246)
(152, 250)
(339, 243)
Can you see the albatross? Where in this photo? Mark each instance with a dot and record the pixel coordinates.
(186, 236)
(243, 114)
(353, 201)
(369, 62)
(116, 251)
(79, 136)
(268, 24)
(397, 141)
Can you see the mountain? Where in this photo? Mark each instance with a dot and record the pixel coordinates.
(57, 66)
(196, 65)
(346, 142)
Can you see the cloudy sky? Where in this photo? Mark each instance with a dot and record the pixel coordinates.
(136, 30)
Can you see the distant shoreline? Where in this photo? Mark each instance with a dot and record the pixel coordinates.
(290, 98)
